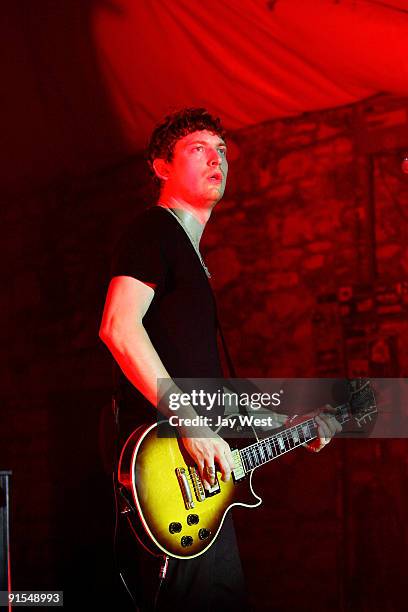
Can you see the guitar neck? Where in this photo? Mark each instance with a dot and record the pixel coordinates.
(289, 439)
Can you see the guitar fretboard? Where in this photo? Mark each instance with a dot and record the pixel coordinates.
(287, 440)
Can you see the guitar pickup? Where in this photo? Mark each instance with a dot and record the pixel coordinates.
(238, 473)
(185, 488)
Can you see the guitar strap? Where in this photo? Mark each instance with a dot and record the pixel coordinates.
(231, 369)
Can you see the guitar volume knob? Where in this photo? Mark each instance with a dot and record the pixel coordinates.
(186, 541)
(203, 534)
(193, 519)
(175, 527)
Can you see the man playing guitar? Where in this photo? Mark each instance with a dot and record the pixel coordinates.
(159, 322)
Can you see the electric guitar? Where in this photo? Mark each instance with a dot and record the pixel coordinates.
(166, 503)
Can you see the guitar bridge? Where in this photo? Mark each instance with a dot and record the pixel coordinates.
(185, 488)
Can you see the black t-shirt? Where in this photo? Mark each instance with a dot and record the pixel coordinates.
(181, 319)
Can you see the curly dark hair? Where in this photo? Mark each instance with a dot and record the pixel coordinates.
(176, 126)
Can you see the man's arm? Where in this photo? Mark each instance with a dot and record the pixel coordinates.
(122, 331)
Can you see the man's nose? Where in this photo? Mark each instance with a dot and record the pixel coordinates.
(215, 158)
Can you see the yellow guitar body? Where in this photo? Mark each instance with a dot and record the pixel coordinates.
(176, 513)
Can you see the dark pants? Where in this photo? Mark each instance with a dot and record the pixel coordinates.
(208, 583)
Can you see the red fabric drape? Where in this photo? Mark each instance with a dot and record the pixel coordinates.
(86, 81)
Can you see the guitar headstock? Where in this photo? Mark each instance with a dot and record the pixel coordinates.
(361, 405)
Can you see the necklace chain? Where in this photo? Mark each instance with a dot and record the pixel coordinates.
(193, 242)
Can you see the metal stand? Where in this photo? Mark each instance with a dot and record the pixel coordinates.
(5, 577)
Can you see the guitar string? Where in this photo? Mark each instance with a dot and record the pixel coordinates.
(270, 448)
(249, 455)
(277, 436)
(272, 452)
(252, 458)
(288, 437)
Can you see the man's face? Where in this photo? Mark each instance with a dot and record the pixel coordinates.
(198, 170)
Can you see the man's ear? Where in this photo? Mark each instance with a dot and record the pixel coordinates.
(161, 168)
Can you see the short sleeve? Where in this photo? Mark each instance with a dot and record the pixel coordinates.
(139, 253)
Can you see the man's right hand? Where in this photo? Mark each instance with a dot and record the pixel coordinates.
(208, 452)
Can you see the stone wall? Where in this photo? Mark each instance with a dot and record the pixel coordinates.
(294, 228)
